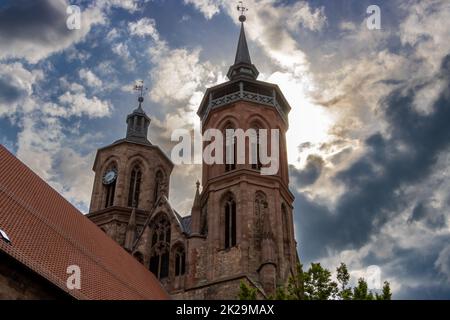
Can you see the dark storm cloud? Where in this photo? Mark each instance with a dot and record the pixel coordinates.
(8, 92)
(33, 30)
(373, 183)
(415, 270)
(311, 172)
(432, 218)
(40, 21)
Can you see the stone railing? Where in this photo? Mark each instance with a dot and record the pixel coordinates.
(246, 96)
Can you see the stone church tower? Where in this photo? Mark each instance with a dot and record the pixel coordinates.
(240, 227)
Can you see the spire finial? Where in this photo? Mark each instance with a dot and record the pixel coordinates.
(242, 10)
(197, 184)
(139, 86)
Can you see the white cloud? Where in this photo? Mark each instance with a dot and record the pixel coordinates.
(16, 87)
(91, 79)
(347, 26)
(112, 35)
(178, 75)
(49, 148)
(71, 86)
(301, 14)
(36, 146)
(208, 7)
(44, 146)
(144, 27)
(427, 29)
(121, 49)
(129, 5)
(77, 104)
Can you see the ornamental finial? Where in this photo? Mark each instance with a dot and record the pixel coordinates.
(242, 10)
(139, 86)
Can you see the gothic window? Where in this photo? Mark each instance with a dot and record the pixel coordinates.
(230, 146)
(159, 181)
(159, 258)
(135, 186)
(110, 188)
(255, 149)
(260, 212)
(180, 261)
(230, 221)
(285, 221)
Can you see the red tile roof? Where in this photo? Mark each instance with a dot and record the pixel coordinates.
(48, 234)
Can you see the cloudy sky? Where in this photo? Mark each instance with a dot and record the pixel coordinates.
(369, 136)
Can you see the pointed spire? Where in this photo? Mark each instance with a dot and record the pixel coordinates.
(196, 212)
(197, 196)
(242, 66)
(242, 53)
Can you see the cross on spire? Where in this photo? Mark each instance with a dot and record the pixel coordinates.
(242, 10)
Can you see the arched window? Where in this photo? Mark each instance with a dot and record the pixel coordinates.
(159, 258)
(230, 221)
(260, 212)
(180, 261)
(255, 149)
(285, 221)
(109, 181)
(159, 181)
(230, 146)
(135, 187)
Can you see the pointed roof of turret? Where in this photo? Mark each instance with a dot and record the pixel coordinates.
(242, 66)
(242, 53)
(196, 204)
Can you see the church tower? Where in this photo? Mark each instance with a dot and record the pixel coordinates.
(131, 174)
(244, 216)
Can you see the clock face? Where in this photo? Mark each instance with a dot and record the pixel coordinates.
(109, 176)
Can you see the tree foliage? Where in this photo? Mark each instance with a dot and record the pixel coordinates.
(316, 284)
(246, 292)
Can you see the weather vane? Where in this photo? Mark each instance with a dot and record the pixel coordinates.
(139, 86)
(242, 10)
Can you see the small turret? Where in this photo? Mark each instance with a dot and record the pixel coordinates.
(196, 212)
(138, 121)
